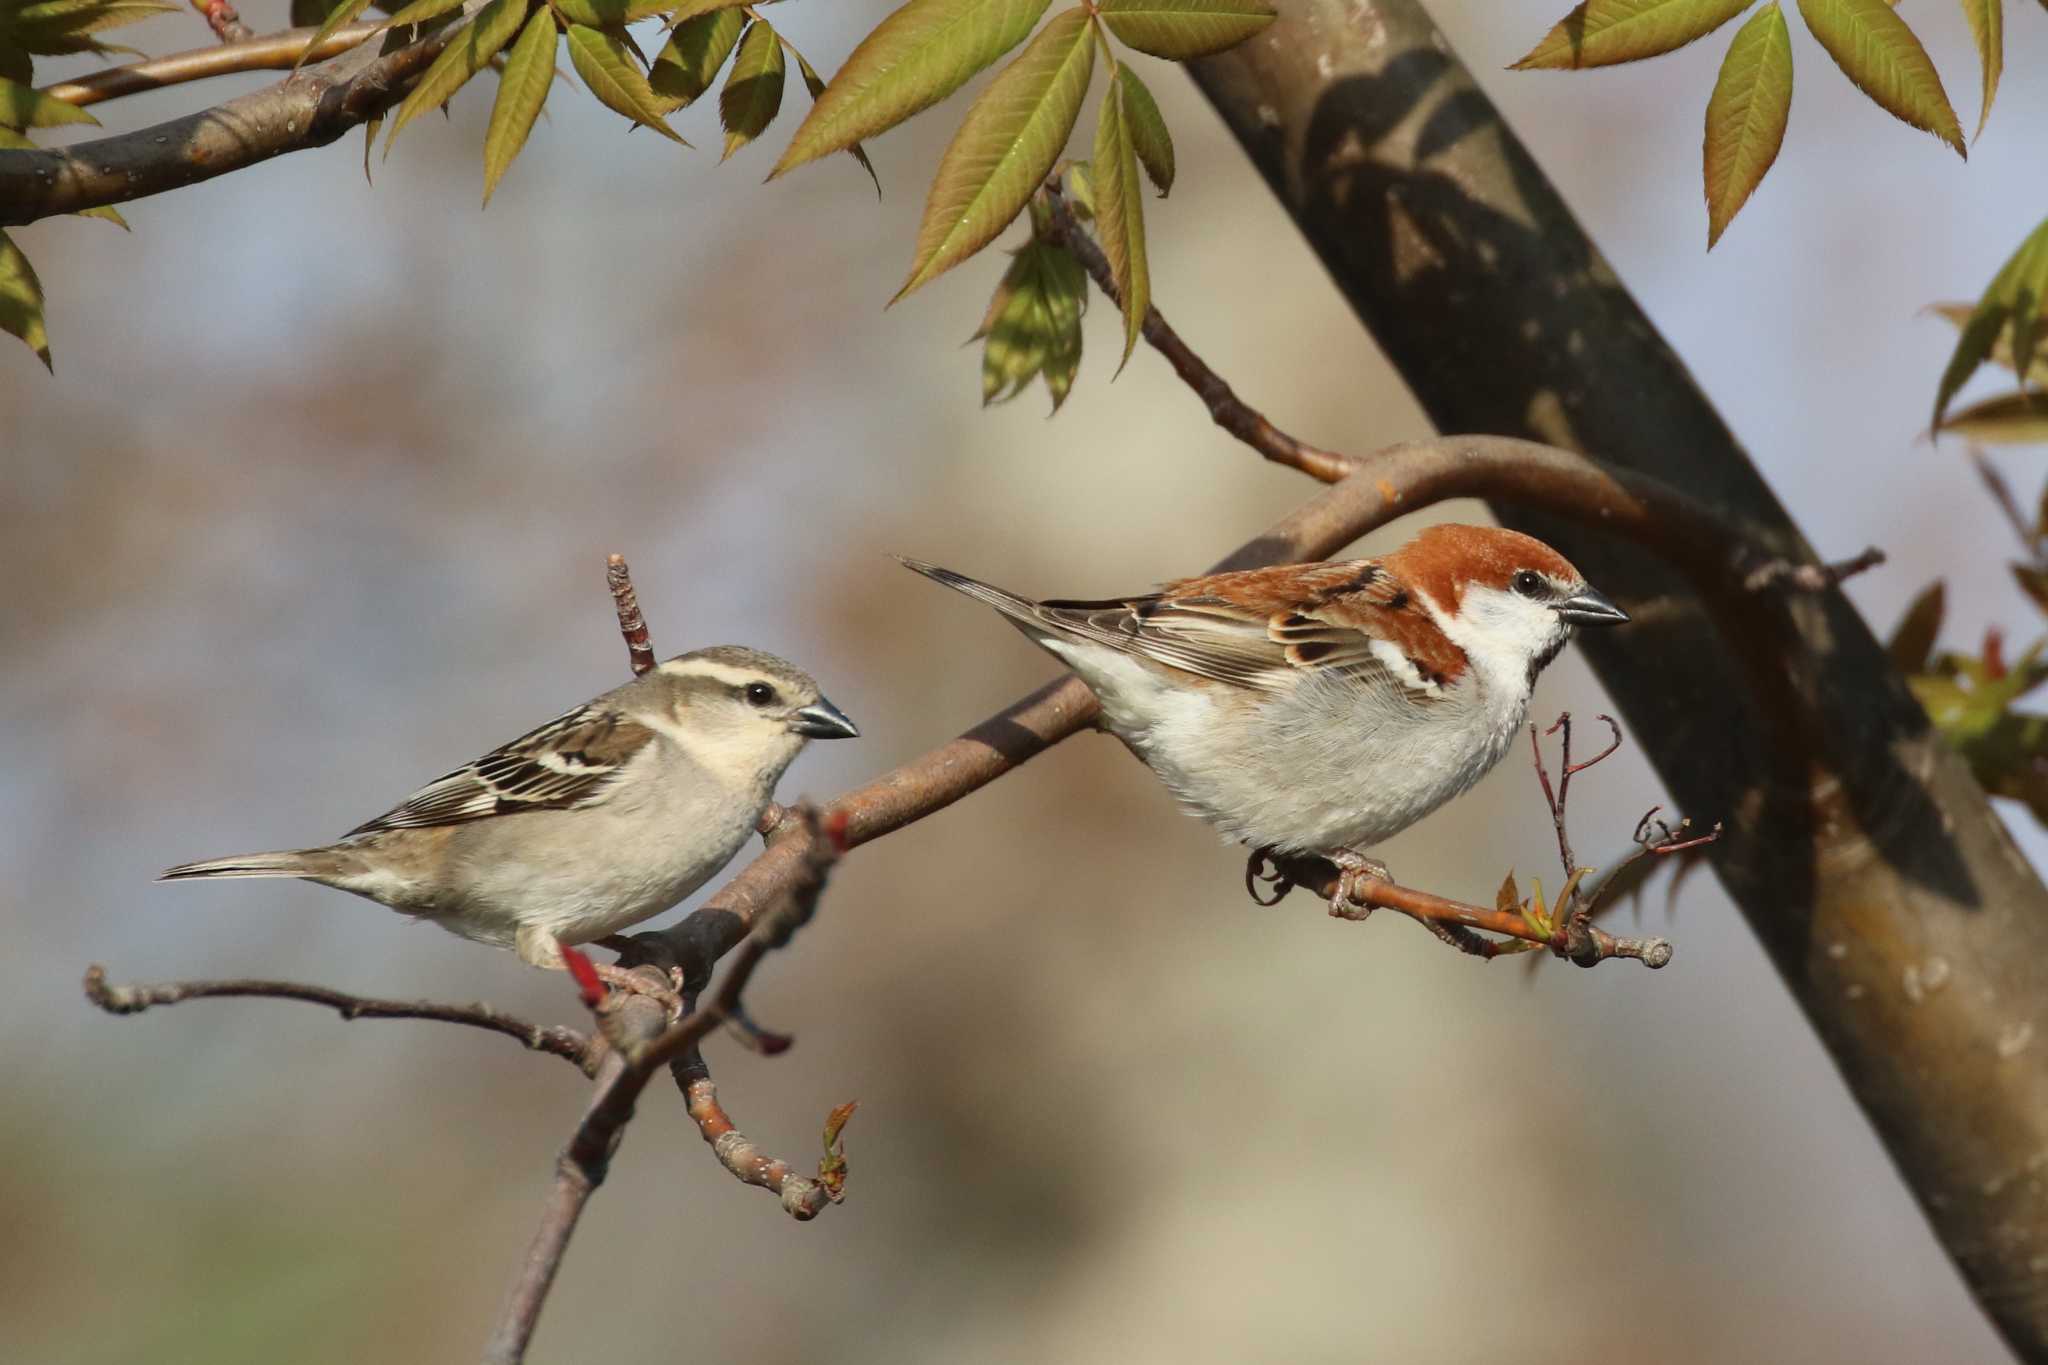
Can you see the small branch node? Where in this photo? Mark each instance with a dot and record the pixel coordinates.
(226, 24)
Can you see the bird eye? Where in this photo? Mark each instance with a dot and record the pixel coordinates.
(1529, 583)
(759, 694)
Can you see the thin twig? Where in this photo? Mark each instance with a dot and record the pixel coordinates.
(272, 52)
(311, 109)
(1559, 800)
(1783, 573)
(1581, 942)
(1229, 411)
(632, 625)
(565, 1043)
(803, 1197)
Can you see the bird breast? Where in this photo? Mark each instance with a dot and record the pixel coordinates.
(1331, 763)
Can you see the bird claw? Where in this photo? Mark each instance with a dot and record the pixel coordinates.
(1354, 870)
(1261, 867)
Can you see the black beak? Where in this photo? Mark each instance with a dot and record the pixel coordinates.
(822, 720)
(1590, 608)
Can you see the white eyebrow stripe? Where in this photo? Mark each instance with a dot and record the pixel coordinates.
(706, 668)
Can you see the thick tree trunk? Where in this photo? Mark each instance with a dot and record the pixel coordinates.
(1860, 849)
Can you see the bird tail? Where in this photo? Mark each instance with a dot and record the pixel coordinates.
(1022, 610)
(317, 863)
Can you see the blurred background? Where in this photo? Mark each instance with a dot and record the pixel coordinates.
(316, 507)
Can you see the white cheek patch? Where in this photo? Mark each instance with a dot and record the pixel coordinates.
(1403, 668)
(744, 748)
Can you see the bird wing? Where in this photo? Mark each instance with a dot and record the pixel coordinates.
(569, 762)
(1266, 628)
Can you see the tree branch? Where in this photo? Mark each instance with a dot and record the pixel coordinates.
(1574, 937)
(565, 1043)
(644, 1045)
(803, 1197)
(272, 52)
(308, 109)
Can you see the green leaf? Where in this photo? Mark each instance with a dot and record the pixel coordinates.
(343, 13)
(72, 14)
(107, 213)
(592, 13)
(2011, 759)
(2013, 419)
(1081, 190)
(685, 68)
(15, 63)
(692, 9)
(1018, 328)
(522, 90)
(916, 57)
(2033, 582)
(608, 68)
(1987, 28)
(1604, 32)
(1746, 115)
(1033, 324)
(1880, 55)
(23, 106)
(21, 301)
(2012, 300)
(753, 91)
(816, 85)
(1066, 299)
(1005, 147)
(58, 26)
(370, 130)
(467, 53)
(2001, 349)
(1965, 714)
(1179, 30)
(418, 12)
(1120, 214)
(1149, 138)
(1912, 642)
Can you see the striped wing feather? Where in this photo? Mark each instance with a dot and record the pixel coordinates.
(568, 762)
(1260, 628)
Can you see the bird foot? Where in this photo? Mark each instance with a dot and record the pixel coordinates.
(626, 981)
(1354, 870)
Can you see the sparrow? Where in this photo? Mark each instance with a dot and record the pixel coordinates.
(1322, 708)
(605, 816)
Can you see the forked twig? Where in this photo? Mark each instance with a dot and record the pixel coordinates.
(1559, 799)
